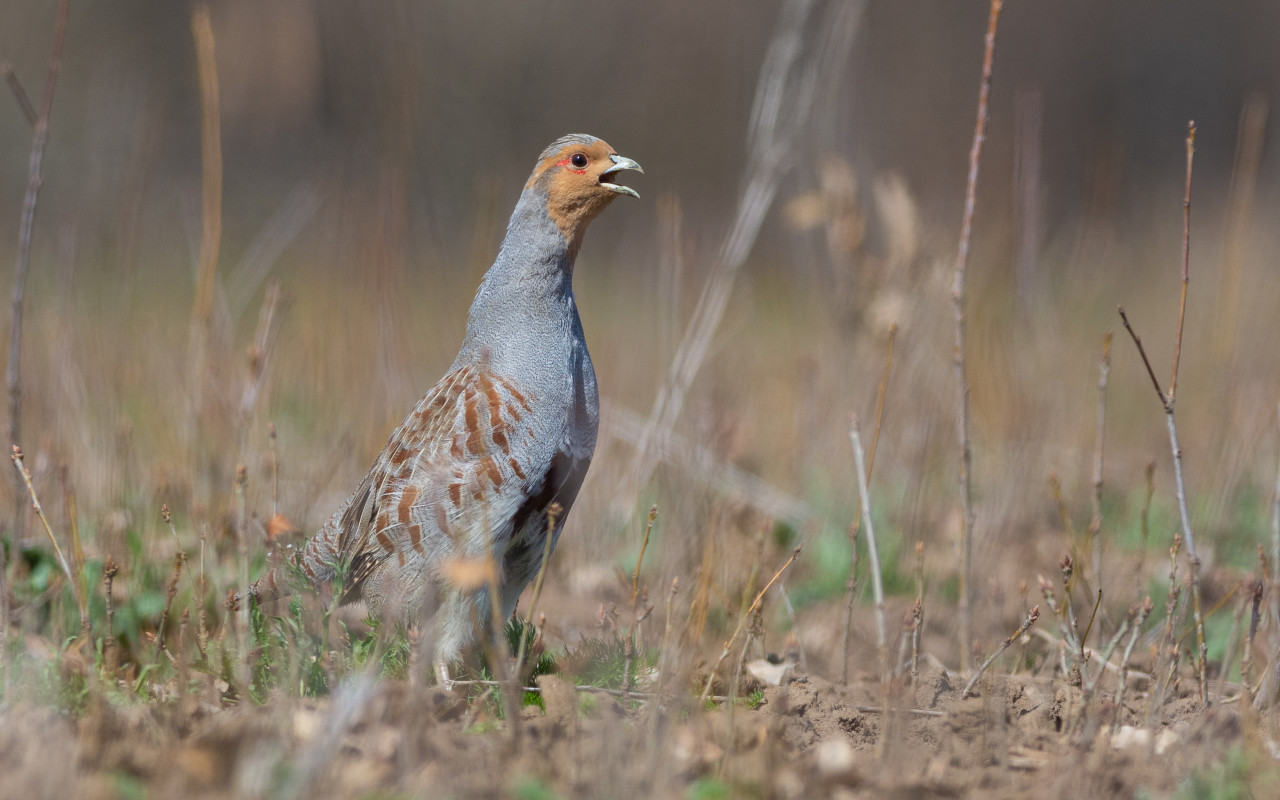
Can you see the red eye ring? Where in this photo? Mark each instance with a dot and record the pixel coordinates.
(579, 160)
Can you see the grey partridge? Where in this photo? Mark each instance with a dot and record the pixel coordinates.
(510, 429)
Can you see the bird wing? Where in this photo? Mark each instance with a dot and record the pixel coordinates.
(452, 479)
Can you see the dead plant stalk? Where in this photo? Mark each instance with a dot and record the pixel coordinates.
(553, 514)
(1095, 523)
(728, 646)
(958, 309)
(1015, 636)
(877, 583)
(1167, 401)
(35, 178)
(851, 584)
(24, 475)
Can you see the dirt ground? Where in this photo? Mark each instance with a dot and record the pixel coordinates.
(806, 738)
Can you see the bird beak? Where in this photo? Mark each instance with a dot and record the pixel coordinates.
(620, 163)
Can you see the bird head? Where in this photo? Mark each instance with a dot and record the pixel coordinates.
(577, 175)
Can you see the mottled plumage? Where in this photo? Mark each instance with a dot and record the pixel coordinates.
(509, 430)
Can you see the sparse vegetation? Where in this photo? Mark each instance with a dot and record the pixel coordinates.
(787, 621)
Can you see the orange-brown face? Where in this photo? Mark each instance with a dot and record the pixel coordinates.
(578, 174)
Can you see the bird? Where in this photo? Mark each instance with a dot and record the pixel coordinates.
(488, 463)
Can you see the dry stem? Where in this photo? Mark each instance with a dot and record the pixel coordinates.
(877, 584)
(852, 583)
(242, 564)
(19, 94)
(40, 137)
(77, 548)
(958, 309)
(1167, 401)
(637, 618)
(211, 223)
(24, 475)
(553, 515)
(728, 646)
(1140, 616)
(109, 570)
(1018, 634)
(1095, 524)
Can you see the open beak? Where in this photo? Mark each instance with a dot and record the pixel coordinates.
(620, 163)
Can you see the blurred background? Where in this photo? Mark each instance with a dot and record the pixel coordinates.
(372, 152)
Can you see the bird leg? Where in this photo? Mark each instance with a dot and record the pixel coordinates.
(442, 675)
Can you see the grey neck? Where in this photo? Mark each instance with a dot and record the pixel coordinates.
(528, 292)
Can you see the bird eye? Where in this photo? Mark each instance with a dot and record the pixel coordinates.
(578, 160)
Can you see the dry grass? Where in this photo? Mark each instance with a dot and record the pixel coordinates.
(126, 674)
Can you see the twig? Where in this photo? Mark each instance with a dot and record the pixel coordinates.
(1275, 543)
(1144, 521)
(644, 545)
(728, 646)
(211, 226)
(1140, 616)
(35, 177)
(1089, 653)
(242, 564)
(1167, 401)
(1270, 679)
(1018, 634)
(211, 162)
(170, 592)
(77, 549)
(553, 515)
(637, 618)
(1167, 648)
(801, 661)
(877, 584)
(1246, 658)
(19, 94)
(852, 583)
(958, 308)
(109, 570)
(1095, 524)
(24, 475)
(1186, 266)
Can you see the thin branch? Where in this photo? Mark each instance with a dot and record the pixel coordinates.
(1140, 613)
(1193, 556)
(554, 511)
(1186, 263)
(751, 609)
(1095, 523)
(1018, 634)
(24, 476)
(958, 308)
(1146, 362)
(35, 177)
(877, 584)
(852, 582)
(19, 94)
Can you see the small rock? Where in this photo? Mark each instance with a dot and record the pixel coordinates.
(1128, 736)
(835, 758)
